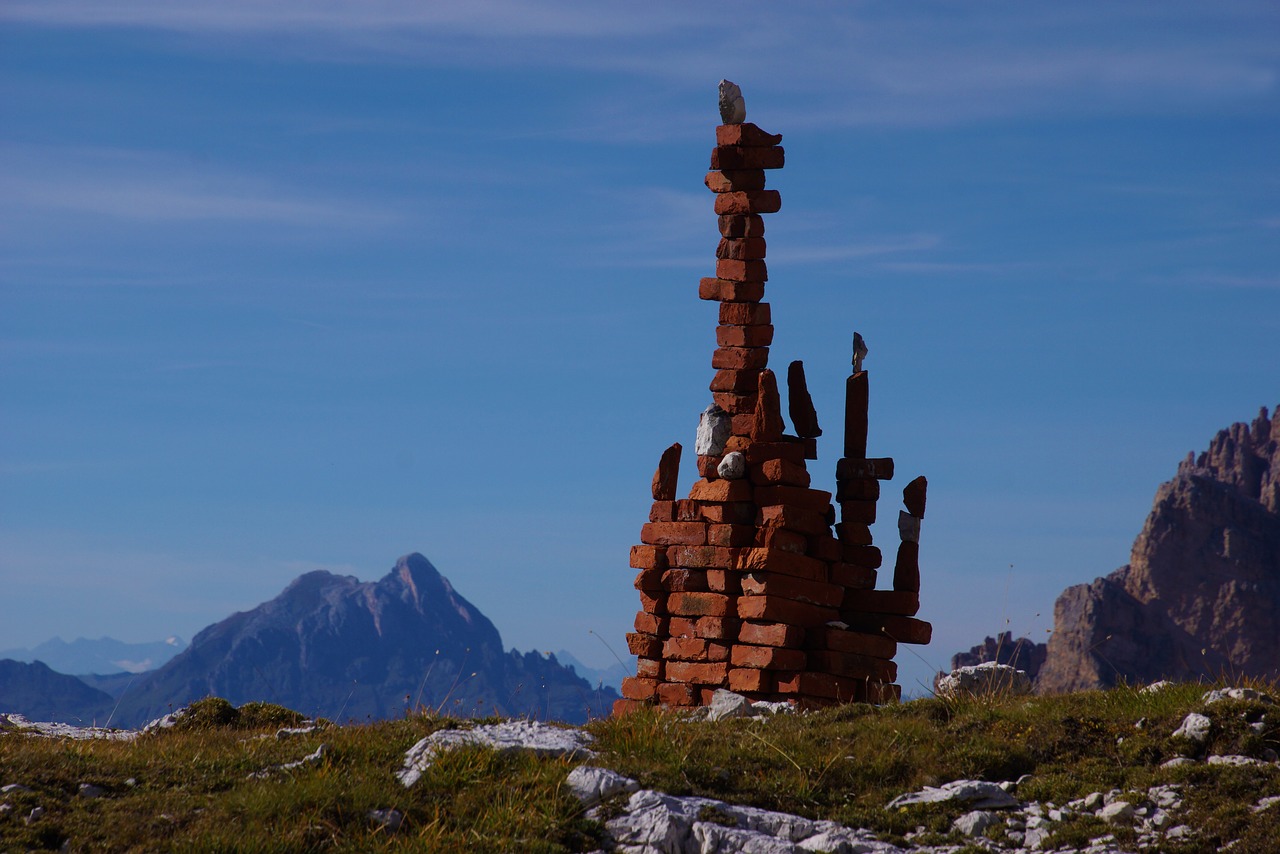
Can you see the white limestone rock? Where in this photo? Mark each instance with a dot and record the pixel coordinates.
(727, 704)
(986, 679)
(593, 785)
(542, 739)
(1156, 687)
(1246, 694)
(1235, 760)
(1117, 812)
(973, 823)
(714, 428)
(978, 793)
(1195, 727)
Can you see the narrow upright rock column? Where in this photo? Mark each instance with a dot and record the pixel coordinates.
(743, 584)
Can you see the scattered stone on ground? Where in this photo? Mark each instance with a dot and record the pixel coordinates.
(388, 819)
(1247, 694)
(1194, 727)
(18, 725)
(88, 790)
(978, 793)
(982, 680)
(593, 785)
(542, 739)
(311, 758)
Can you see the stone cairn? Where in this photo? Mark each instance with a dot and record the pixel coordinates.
(743, 585)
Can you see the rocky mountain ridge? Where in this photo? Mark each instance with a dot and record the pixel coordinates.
(1200, 596)
(333, 646)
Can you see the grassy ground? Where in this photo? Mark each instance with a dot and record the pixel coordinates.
(190, 788)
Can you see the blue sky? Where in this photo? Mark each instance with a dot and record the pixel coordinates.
(291, 285)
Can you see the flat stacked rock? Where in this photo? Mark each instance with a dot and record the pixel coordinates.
(743, 584)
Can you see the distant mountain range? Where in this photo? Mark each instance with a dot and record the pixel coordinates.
(1200, 596)
(333, 646)
(101, 656)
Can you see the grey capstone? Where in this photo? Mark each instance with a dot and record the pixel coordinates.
(714, 429)
(733, 466)
(908, 527)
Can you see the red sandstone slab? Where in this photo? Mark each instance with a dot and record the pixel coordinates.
(858, 512)
(734, 180)
(649, 624)
(752, 681)
(853, 534)
(780, 538)
(735, 404)
(857, 489)
(662, 511)
(906, 569)
(824, 547)
(767, 657)
(736, 157)
(771, 634)
(749, 202)
(856, 396)
(721, 490)
(852, 665)
(746, 134)
(868, 556)
(700, 557)
(902, 603)
(880, 468)
(845, 640)
(767, 424)
(635, 688)
(653, 602)
(800, 404)
(824, 685)
(649, 579)
(727, 290)
(745, 314)
(901, 629)
(815, 500)
(648, 557)
(913, 496)
(758, 453)
(684, 581)
(780, 473)
(788, 587)
(645, 646)
(852, 576)
(736, 382)
(741, 249)
(688, 511)
(777, 609)
(739, 358)
(666, 478)
(733, 512)
(776, 560)
(694, 649)
(674, 534)
(700, 605)
(624, 707)
(741, 226)
(699, 673)
(794, 519)
(742, 271)
(678, 694)
(734, 536)
(724, 581)
(649, 668)
(744, 336)
(707, 467)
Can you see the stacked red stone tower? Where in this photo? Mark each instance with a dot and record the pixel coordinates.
(743, 584)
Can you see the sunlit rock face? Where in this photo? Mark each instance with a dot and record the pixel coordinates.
(1200, 596)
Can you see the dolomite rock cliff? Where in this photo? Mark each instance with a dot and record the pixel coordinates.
(1200, 596)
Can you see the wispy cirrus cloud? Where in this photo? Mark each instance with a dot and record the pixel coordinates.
(845, 64)
(154, 187)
